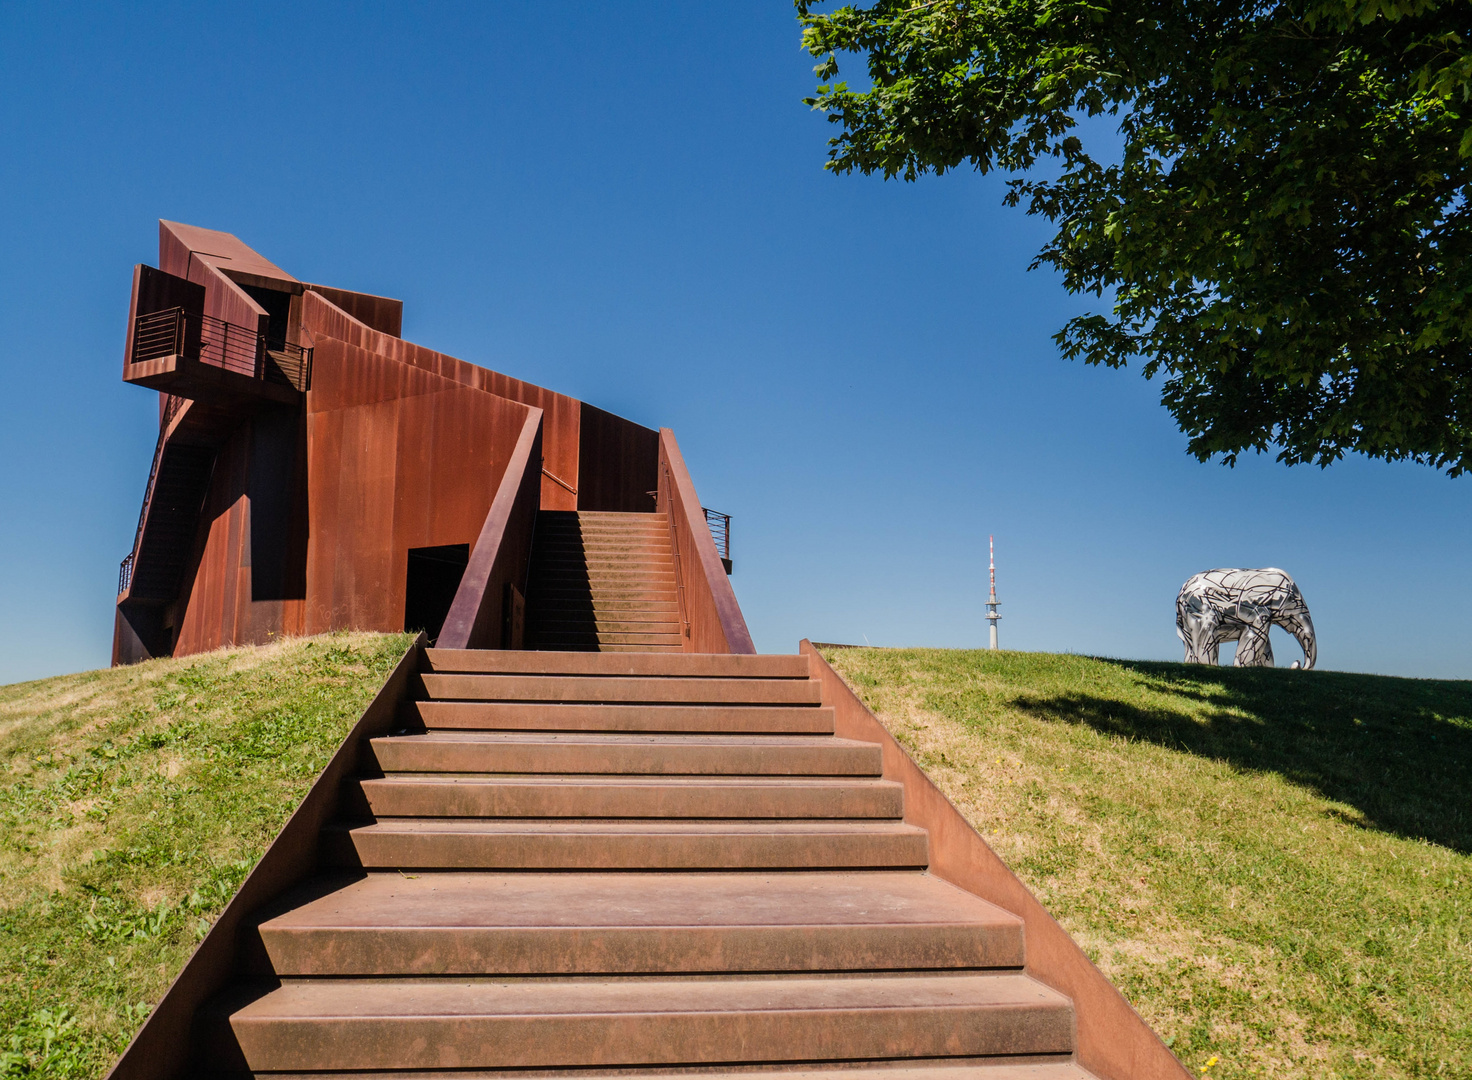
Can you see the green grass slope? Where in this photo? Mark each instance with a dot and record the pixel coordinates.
(132, 803)
(1274, 866)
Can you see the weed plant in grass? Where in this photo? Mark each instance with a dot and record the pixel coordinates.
(1275, 867)
(132, 804)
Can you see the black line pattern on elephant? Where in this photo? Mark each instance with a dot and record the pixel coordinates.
(1242, 606)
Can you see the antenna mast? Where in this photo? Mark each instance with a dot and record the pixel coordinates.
(991, 603)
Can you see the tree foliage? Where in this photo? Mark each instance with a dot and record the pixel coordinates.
(1282, 226)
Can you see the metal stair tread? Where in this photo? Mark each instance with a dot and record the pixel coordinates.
(618, 900)
(718, 740)
(619, 827)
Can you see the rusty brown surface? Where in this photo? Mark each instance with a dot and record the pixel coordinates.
(381, 313)
(1114, 1043)
(618, 463)
(560, 423)
(501, 552)
(400, 447)
(398, 458)
(715, 622)
(161, 1048)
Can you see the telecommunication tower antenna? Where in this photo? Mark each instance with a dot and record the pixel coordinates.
(991, 603)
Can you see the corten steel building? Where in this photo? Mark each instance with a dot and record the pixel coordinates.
(314, 471)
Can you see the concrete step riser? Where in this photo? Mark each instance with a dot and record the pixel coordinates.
(618, 689)
(562, 798)
(372, 848)
(693, 720)
(482, 1032)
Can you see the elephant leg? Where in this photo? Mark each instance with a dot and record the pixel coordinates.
(1200, 637)
(1254, 649)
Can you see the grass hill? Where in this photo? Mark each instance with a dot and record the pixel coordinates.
(132, 803)
(1275, 866)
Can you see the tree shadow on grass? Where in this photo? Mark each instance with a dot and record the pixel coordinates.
(1397, 750)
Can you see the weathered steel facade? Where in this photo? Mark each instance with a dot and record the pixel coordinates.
(306, 449)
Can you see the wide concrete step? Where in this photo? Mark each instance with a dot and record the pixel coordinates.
(611, 923)
(689, 665)
(653, 689)
(427, 1023)
(486, 844)
(547, 796)
(640, 755)
(686, 719)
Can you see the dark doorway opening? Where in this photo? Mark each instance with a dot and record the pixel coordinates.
(278, 312)
(434, 575)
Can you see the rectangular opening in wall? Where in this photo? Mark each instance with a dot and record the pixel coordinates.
(434, 575)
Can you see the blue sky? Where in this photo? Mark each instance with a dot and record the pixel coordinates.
(626, 203)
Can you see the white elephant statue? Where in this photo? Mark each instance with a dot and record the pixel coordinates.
(1241, 606)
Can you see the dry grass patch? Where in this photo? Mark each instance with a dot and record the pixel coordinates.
(1274, 866)
(132, 803)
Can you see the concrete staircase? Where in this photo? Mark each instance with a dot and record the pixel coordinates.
(602, 582)
(631, 862)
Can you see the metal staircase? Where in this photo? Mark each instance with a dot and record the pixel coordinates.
(603, 582)
(631, 863)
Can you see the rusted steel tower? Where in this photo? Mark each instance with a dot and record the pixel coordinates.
(991, 601)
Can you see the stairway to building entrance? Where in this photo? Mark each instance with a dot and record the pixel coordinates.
(631, 863)
(602, 582)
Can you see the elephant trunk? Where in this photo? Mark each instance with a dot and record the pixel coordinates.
(1301, 626)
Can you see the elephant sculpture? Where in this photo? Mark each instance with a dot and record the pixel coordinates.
(1241, 606)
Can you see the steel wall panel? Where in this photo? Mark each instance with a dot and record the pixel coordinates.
(618, 463)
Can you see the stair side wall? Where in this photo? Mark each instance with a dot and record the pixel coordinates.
(160, 1050)
(1114, 1042)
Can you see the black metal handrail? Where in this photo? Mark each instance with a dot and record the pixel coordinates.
(172, 404)
(176, 332)
(720, 532)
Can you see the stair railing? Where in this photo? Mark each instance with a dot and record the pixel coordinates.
(502, 552)
(708, 608)
(172, 405)
(212, 341)
(663, 498)
(720, 531)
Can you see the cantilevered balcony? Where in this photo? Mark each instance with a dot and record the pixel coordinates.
(203, 358)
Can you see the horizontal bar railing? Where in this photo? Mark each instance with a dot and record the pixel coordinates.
(720, 532)
(176, 332)
(172, 404)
